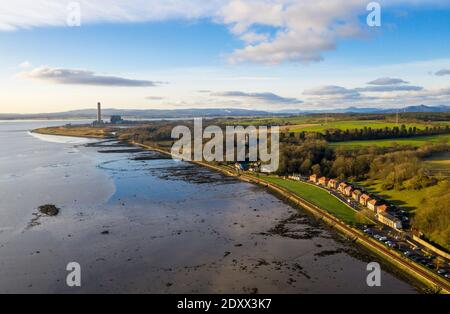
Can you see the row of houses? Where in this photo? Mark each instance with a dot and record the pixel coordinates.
(381, 210)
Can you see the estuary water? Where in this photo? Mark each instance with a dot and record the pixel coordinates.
(137, 222)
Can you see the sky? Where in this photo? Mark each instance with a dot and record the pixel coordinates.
(252, 54)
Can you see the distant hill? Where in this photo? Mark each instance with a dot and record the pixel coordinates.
(190, 113)
(421, 108)
(141, 114)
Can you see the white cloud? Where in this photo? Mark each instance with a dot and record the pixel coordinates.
(302, 30)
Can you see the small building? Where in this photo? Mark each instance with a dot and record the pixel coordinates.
(295, 177)
(313, 178)
(266, 169)
(342, 187)
(333, 184)
(348, 190)
(372, 205)
(323, 181)
(389, 220)
(242, 166)
(115, 119)
(382, 209)
(356, 195)
(364, 199)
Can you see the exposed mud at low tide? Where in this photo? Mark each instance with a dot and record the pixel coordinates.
(137, 223)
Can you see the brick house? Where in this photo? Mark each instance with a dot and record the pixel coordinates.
(348, 191)
(323, 181)
(342, 187)
(389, 220)
(382, 209)
(356, 195)
(364, 199)
(372, 205)
(333, 184)
(313, 178)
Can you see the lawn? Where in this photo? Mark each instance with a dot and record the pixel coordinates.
(318, 197)
(413, 141)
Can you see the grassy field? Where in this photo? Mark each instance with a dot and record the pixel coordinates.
(413, 141)
(407, 199)
(321, 124)
(353, 124)
(439, 164)
(78, 131)
(318, 197)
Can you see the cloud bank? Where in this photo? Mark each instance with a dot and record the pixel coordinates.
(442, 72)
(82, 77)
(262, 97)
(387, 81)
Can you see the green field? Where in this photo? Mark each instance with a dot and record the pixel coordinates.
(356, 124)
(406, 199)
(318, 197)
(413, 141)
(321, 124)
(439, 164)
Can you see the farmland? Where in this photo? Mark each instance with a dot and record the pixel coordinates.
(356, 124)
(413, 141)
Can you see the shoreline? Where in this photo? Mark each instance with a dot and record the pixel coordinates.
(416, 272)
(355, 235)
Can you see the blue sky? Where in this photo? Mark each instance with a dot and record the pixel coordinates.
(233, 53)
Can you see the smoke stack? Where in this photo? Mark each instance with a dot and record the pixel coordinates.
(99, 113)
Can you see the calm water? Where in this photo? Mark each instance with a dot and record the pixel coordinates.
(156, 225)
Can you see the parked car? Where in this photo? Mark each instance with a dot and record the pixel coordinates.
(383, 239)
(407, 253)
(393, 245)
(442, 271)
(377, 236)
(431, 266)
